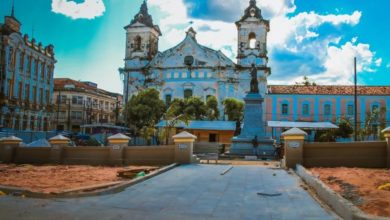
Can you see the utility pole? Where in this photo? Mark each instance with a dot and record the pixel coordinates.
(356, 116)
(58, 107)
(69, 100)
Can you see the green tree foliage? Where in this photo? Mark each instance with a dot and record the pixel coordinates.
(344, 131)
(195, 108)
(345, 128)
(306, 82)
(234, 109)
(147, 132)
(192, 108)
(375, 122)
(212, 111)
(144, 109)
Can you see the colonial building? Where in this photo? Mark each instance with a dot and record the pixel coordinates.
(81, 103)
(191, 69)
(26, 79)
(299, 103)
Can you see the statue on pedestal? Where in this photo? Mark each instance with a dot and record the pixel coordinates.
(254, 83)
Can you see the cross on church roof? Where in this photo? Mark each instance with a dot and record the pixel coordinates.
(13, 9)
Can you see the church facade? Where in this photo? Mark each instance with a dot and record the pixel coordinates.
(191, 69)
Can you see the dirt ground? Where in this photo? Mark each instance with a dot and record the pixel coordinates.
(51, 179)
(360, 186)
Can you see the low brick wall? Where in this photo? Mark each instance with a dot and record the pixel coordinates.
(151, 155)
(36, 155)
(140, 155)
(85, 155)
(354, 154)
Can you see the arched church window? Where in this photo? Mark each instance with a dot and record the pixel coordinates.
(137, 43)
(168, 100)
(252, 40)
(187, 93)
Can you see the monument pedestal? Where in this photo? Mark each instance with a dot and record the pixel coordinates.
(253, 126)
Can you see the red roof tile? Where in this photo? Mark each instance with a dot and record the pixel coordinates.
(328, 90)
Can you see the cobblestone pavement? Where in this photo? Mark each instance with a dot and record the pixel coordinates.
(186, 192)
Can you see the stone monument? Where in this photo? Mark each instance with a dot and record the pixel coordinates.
(253, 124)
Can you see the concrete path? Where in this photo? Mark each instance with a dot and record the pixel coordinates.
(186, 192)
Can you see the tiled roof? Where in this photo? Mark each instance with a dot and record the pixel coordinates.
(328, 90)
(60, 83)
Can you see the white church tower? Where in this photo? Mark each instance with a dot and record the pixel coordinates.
(141, 47)
(252, 46)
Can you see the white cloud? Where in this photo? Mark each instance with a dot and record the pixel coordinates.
(339, 63)
(388, 66)
(89, 9)
(325, 57)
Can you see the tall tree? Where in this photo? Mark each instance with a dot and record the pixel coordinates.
(212, 111)
(306, 82)
(144, 109)
(234, 109)
(374, 122)
(195, 108)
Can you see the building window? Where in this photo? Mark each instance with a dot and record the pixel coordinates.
(43, 71)
(284, 109)
(209, 75)
(212, 138)
(27, 93)
(193, 74)
(21, 62)
(374, 108)
(184, 75)
(36, 63)
(34, 95)
(252, 40)
(41, 96)
(168, 99)
(176, 75)
(327, 109)
(187, 93)
(201, 75)
(76, 115)
(77, 100)
(20, 90)
(48, 97)
(305, 109)
(137, 43)
(350, 110)
(169, 75)
(29, 59)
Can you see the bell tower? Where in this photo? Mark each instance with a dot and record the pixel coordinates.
(142, 36)
(252, 37)
(141, 47)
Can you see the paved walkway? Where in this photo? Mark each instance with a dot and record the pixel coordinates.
(186, 192)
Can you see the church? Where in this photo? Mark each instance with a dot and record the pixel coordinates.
(191, 69)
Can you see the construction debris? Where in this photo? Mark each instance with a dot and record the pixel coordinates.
(135, 172)
(269, 194)
(227, 170)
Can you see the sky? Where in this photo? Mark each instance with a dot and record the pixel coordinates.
(318, 39)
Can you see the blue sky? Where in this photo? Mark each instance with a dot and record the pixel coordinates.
(314, 38)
